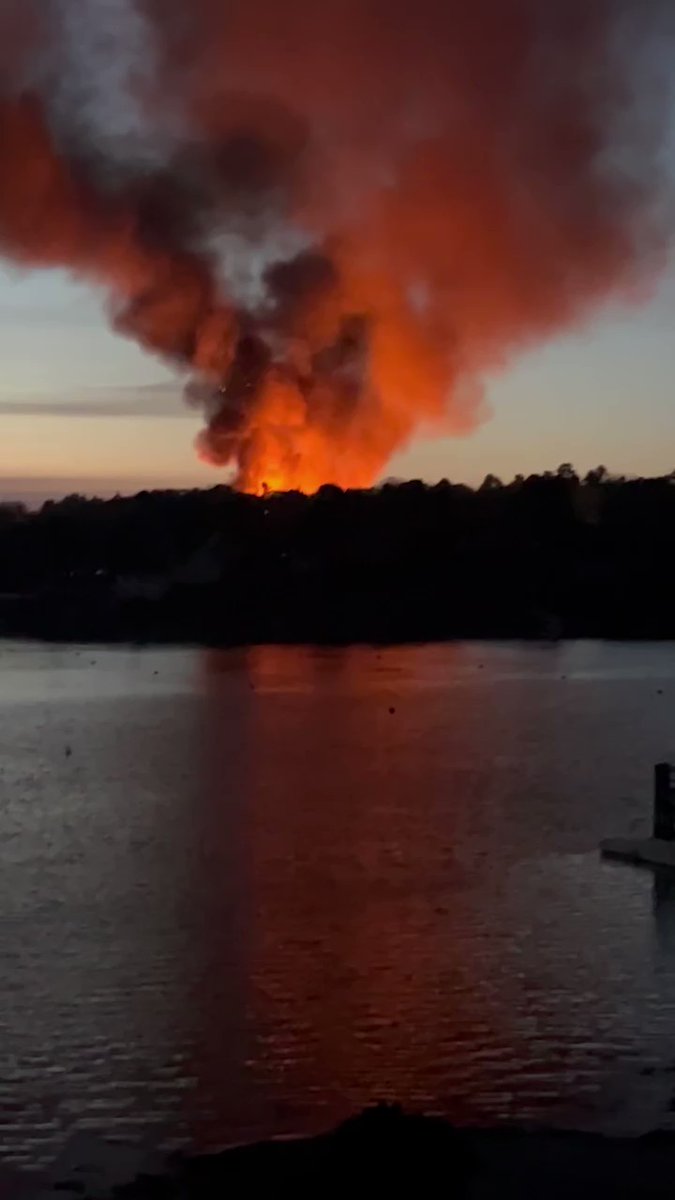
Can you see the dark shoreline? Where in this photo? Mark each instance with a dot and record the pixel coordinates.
(542, 558)
(222, 621)
(188, 639)
(385, 1152)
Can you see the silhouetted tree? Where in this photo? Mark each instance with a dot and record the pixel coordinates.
(490, 483)
(397, 562)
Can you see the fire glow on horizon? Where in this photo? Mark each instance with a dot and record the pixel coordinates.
(335, 220)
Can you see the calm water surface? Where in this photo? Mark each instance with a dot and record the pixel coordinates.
(248, 892)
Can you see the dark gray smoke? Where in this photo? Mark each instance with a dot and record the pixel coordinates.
(337, 219)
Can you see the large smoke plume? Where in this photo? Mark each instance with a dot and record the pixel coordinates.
(336, 218)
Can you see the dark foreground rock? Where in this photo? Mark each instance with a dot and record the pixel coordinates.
(386, 1153)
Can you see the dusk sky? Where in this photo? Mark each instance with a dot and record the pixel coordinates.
(526, 246)
(83, 409)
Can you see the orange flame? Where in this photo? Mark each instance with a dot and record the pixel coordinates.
(424, 189)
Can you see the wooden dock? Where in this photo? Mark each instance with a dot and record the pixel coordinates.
(659, 849)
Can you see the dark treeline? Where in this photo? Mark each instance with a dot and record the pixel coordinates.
(546, 556)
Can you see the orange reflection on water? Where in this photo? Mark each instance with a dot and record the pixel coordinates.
(344, 962)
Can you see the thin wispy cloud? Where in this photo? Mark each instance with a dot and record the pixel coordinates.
(149, 400)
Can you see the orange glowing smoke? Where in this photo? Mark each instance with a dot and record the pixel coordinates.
(335, 219)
